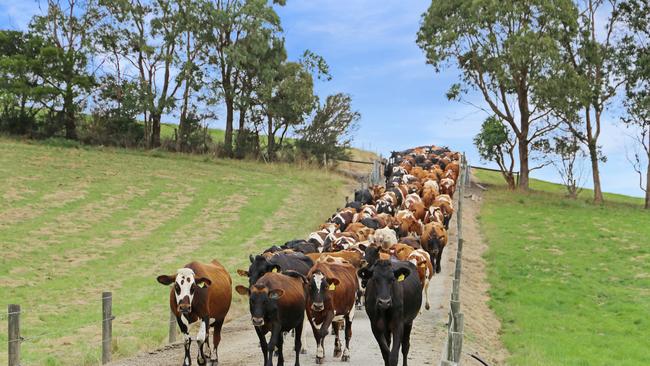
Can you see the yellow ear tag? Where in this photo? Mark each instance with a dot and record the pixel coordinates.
(274, 270)
(423, 265)
(332, 287)
(400, 278)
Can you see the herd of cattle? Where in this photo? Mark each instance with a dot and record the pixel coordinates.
(379, 252)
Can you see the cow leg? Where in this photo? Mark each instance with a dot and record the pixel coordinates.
(380, 336)
(216, 339)
(201, 336)
(276, 334)
(298, 341)
(426, 292)
(322, 333)
(263, 345)
(279, 347)
(397, 342)
(337, 340)
(303, 350)
(316, 332)
(183, 324)
(348, 336)
(438, 259)
(406, 343)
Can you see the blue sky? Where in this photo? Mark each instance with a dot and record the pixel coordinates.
(370, 47)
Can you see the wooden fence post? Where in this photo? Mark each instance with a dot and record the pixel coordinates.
(172, 327)
(107, 326)
(14, 334)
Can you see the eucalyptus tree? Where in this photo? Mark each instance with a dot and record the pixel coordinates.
(635, 62)
(229, 23)
(22, 91)
(67, 28)
(157, 42)
(496, 143)
(503, 50)
(587, 79)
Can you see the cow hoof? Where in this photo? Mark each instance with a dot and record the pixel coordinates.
(345, 358)
(337, 353)
(319, 360)
(303, 351)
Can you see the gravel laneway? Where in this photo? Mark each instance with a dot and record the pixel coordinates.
(240, 346)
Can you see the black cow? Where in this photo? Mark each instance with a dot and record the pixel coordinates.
(371, 223)
(260, 265)
(301, 246)
(355, 204)
(364, 196)
(390, 283)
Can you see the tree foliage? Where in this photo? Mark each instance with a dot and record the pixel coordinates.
(495, 143)
(503, 49)
(330, 132)
(635, 63)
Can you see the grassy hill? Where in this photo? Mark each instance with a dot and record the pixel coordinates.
(76, 222)
(570, 280)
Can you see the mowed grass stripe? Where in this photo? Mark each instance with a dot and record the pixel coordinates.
(45, 183)
(184, 209)
(570, 280)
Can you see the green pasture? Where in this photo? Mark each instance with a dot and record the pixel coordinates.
(569, 280)
(78, 221)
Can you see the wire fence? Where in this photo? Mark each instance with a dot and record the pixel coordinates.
(453, 347)
(16, 338)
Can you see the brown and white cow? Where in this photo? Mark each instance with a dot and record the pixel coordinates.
(422, 262)
(448, 186)
(434, 239)
(331, 298)
(201, 292)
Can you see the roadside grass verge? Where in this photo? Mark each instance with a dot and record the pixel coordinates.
(78, 221)
(569, 280)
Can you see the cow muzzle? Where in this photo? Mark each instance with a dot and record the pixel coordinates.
(317, 306)
(184, 308)
(384, 303)
(257, 322)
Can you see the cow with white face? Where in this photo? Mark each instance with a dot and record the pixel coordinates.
(200, 292)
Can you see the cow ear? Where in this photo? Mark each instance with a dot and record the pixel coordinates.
(276, 294)
(333, 281)
(401, 273)
(364, 273)
(242, 290)
(276, 268)
(242, 273)
(203, 281)
(166, 280)
(250, 257)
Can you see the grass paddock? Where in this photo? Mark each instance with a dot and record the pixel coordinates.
(78, 221)
(569, 280)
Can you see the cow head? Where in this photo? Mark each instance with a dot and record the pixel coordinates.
(319, 287)
(185, 287)
(262, 302)
(259, 266)
(384, 206)
(383, 277)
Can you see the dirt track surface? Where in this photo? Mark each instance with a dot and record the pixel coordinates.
(240, 346)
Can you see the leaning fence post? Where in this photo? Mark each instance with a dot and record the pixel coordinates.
(13, 312)
(172, 327)
(107, 326)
